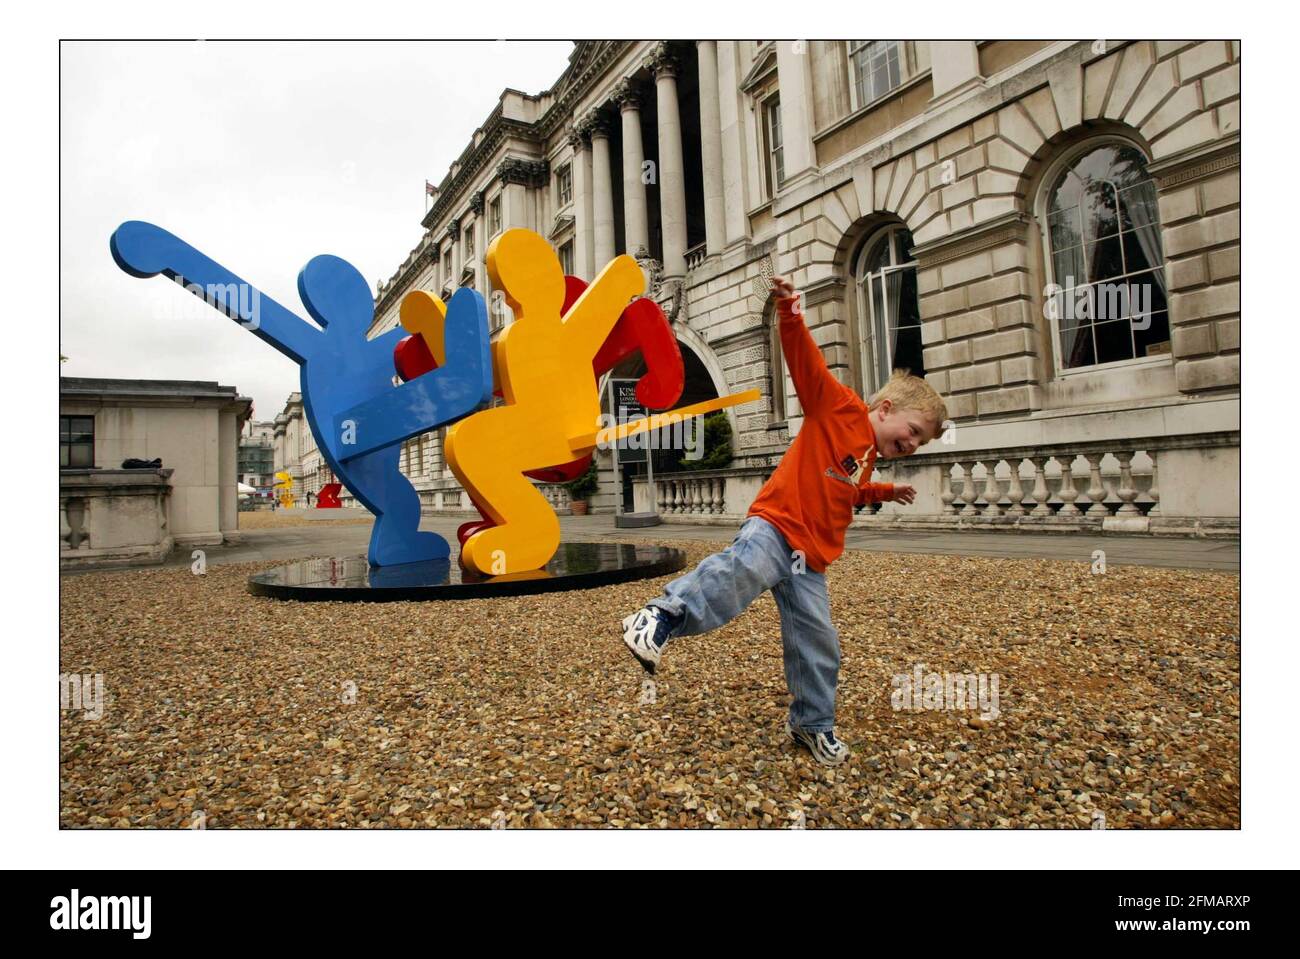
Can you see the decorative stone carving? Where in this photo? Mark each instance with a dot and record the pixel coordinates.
(662, 61)
(628, 95)
(453, 228)
(594, 123)
(476, 202)
(532, 173)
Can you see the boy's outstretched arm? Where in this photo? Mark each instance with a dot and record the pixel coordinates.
(816, 385)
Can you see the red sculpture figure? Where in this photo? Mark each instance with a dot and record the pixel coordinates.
(328, 498)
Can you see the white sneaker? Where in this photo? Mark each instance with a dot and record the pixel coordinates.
(825, 748)
(645, 633)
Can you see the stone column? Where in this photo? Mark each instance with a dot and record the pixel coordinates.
(672, 173)
(796, 109)
(635, 221)
(603, 192)
(476, 203)
(711, 146)
(582, 248)
(457, 257)
(735, 194)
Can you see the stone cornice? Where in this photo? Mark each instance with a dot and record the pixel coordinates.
(496, 131)
(1197, 163)
(1008, 228)
(605, 55)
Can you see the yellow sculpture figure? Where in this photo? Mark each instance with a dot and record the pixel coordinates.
(285, 484)
(543, 366)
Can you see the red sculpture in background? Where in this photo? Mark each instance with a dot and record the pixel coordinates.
(328, 497)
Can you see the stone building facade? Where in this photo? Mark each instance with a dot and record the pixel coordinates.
(112, 515)
(1048, 231)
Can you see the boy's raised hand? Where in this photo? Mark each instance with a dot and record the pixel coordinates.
(904, 493)
(782, 288)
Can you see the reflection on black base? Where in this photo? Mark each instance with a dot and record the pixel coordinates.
(574, 566)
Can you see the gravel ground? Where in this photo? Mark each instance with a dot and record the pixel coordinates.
(266, 519)
(1119, 697)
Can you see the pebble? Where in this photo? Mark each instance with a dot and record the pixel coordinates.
(528, 712)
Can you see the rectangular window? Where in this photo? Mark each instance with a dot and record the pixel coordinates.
(77, 442)
(566, 258)
(494, 216)
(772, 140)
(469, 243)
(564, 184)
(875, 68)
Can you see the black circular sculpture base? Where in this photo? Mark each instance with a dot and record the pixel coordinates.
(352, 579)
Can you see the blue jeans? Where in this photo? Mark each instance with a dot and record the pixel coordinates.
(724, 584)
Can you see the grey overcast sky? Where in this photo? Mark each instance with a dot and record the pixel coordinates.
(262, 155)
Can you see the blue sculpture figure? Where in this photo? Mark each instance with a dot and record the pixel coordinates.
(357, 415)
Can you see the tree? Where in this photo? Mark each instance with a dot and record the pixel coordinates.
(717, 445)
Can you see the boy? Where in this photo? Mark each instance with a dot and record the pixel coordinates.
(795, 529)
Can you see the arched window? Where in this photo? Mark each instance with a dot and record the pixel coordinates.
(889, 311)
(1107, 301)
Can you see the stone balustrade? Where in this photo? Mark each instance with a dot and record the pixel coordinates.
(113, 517)
(1111, 485)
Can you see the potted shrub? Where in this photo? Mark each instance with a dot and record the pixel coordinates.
(582, 488)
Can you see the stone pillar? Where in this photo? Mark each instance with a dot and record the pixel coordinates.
(228, 475)
(457, 256)
(479, 231)
(672, 173)
(603, 191)
(954, 67)
(635, 221)
(582, 246)
(517, 176)
(795, 77)
(734, 192)
(711, 146)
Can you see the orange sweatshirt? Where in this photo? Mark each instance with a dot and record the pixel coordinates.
(826, 471)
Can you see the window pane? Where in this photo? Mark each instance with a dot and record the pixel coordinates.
(1076, 347)
(1101, 211)
(879, 255)
(1064, 228)
(81, 455)
(1139, 205)
(1154, 339)
(1114, 341)
(1068, 269)
(907, 337)
(1142, 249)
(63, 455)
(1105, 259)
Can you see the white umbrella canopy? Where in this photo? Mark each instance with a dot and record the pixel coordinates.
(246, 490)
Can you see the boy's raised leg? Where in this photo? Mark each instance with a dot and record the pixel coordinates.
(717, 591)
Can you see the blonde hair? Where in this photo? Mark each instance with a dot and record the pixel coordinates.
(909, 392)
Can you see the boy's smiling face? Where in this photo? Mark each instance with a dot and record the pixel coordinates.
(900, 431)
